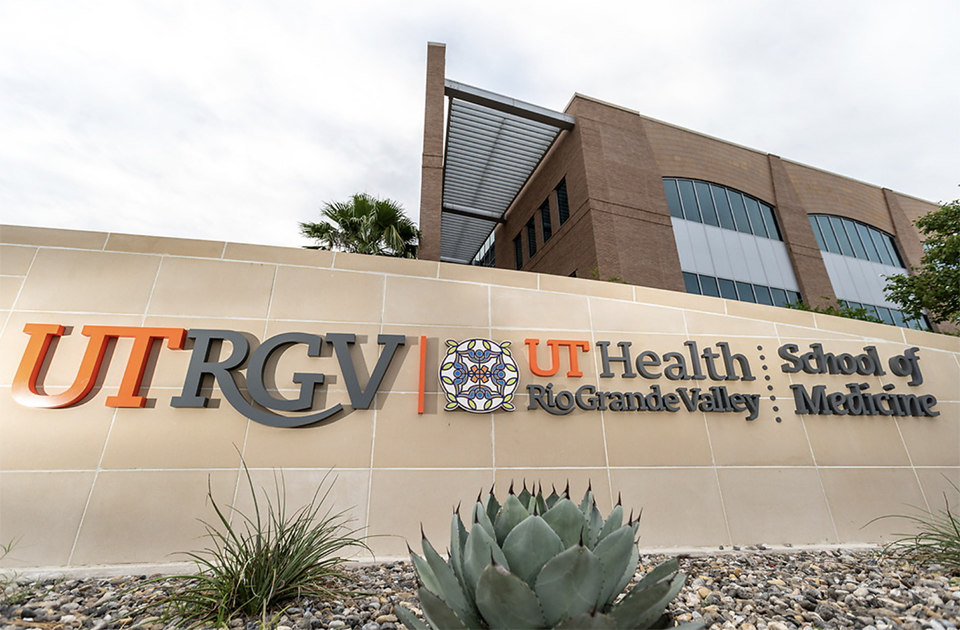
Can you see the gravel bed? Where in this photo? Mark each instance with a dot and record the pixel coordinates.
(751, 590)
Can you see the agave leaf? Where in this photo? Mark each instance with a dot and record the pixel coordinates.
(596, 524)
(643, 606)
(511, 514)
(659, 573)
(614, 555)
(492, 506)
(629, 571)
(480, 516)
(425, 573)
(541, 503)
(408, 619)
(551, 500)
(438, 614)
(587, 502)
(569, 584)
(586, 621)
(451, 591)
(524, 495)
(505, 601)
(480, 548)
(529, 546)
(613, 522)
(566, 519)
(458, 538)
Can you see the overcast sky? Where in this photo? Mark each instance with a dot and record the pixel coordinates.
(236, 120)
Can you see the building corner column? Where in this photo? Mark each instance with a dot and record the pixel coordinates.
(431, 171)
(816, 287)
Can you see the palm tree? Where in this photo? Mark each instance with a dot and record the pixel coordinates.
(365, 225)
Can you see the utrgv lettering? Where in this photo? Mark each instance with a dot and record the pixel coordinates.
(476, 375)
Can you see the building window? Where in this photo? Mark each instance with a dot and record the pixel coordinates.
(563, 205)
(719, 206)
(486, 256)
(531, 238)
(839, 235)
(702, 284)
(859, 258)
(545, 220)
(518, 251)
(729, 242)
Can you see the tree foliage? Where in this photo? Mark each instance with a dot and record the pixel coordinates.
(364, 225)
(934, 286)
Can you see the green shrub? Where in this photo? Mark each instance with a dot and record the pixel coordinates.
(263, 560)
(937, 540)
(838, 309)
(536, 562)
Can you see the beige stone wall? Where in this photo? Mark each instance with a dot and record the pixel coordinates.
(92, 484)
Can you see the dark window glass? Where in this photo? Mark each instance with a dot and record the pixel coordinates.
(892, 248)
(780, 297)
(689, 199)
(723, 207)
(745, 291)
(885, 315)
(828, 236)
(881, 246)
(545, 221)
(756, 221)
(793, 297)
(850, 227)
(898, 318)
(739, 211)
(707, 211)
(837, 224)
(709, 286)
(770, 219)
(763, 295)
(690, 282)
(868, 245)
(563, 205)
(518, 251)
(673, 198)
(727, 289)
(817, 233)
(531, 238)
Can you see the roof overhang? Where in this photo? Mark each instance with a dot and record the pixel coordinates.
(493, 145)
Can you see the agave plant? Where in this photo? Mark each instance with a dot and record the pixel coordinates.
(541, 562)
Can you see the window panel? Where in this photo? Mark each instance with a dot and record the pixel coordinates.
(770, 220)
(690, 282)
(728, 290)
(885, 315)
(689, 199)
(745, 292)
(868, 245)
(850, 227)
(763, 295)
(828, 236)
(531, 238)
(739, 211)
(780, 297)
(817, 233)
(518, 251)
(892, 248)
(707, 209)
(756, 220)
(898, 318)
(723, 207)
(673, 197)
(545, 225)
(793, 297)
(709, 286)
(881, 246)
(837, 224)
(563, 205)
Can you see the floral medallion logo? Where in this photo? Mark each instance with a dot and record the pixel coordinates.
(479, 375)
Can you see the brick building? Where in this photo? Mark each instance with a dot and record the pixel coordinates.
(603, 191)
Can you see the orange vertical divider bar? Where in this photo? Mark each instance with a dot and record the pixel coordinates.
(423, 373)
